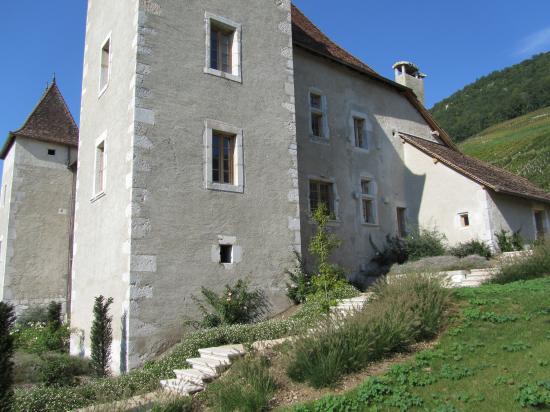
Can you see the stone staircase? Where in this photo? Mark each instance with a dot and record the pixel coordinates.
(469, 278)
(213, 361)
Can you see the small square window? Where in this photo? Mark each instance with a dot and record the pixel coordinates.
(464, 220)
(226, 253)
(51, 152)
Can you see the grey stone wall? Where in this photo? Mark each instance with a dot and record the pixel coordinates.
(338, 161)
(36, 224)
(102, 232)
(177, 221)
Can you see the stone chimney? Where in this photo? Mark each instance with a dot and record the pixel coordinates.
(408, 74)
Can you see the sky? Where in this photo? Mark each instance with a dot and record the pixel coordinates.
(453, 42)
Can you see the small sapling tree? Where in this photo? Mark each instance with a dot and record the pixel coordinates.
(101, 336)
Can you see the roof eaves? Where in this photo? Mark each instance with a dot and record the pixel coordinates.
(7, 145)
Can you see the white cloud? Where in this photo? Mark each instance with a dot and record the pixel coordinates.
(534, 43)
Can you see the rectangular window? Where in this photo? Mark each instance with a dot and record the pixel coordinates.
(402, 222)
(368, 201)
(105, 65)
(321, 193)
(360, 133)
(539, 224)
(100, 168)
(464, 220)
(221, 46)
(223, 149)
(226, 253)
(223, 55)
(51, 152)
(317, 107)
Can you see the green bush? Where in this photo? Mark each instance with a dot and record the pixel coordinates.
(41, 338)
(394, 251)
(529, 267)
(179, 404)
(62, 370)
(54, 315)
(237, 305)
(33, 315)
(424, 243)
(301, 283)
(509, 242)
(472, 247)
(536, 396)
(404, 311)
(248, 387)
(7, 319)
(101, 336)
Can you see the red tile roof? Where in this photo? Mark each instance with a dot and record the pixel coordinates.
(50, 121)
(309, 37)
(483, 173)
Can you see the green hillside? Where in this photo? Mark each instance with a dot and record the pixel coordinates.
(500, 96)
(520, 145)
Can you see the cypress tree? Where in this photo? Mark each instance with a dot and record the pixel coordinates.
(101, 336)
(7, 319)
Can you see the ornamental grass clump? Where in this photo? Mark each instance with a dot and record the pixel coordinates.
(535, 265)
(403, 312)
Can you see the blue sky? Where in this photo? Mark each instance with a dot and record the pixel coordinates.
(454, 42)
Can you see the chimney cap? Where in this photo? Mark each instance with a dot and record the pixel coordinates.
(410, 68)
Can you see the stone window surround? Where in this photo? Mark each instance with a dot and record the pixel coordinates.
(368, 129)
(98, 195)
(335, 196)
(238, 157)
(236, 251)
(326, 131)
(236, 57)
(102, 90)
(373, 197)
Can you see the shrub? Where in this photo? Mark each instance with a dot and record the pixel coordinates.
(248, 387)
(101, 336)
(237, 305)
(7, 319)
(54, 315)
(322, 245)
(472, 247)
(404, 311)
(62, 370)
(39, 338)
(509, 242)
(529, 267)
(33, 315)
(424, 242)
(180, 404)
(537, 396)
(301, 283)
(394, 251)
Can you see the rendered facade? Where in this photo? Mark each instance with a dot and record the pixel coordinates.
(209, 131)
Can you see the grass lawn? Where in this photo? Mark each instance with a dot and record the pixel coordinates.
(520, 145)
(497, 342)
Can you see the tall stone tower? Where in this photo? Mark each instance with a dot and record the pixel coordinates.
(36, 205)
(408, 74)
(187, 169)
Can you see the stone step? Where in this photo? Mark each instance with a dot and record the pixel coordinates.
(195, 376)
(180, 387)
(208, 365)
(225, 353)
